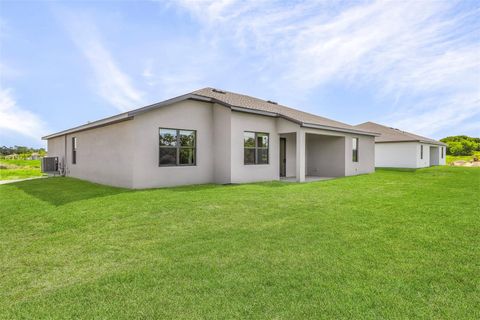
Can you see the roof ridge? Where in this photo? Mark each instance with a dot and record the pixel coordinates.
(278, 105)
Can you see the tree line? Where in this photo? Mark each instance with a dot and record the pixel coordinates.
(461, 145)
(22, 151)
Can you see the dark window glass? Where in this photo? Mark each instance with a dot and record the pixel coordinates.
(177, 147)
(442, 152)
(262, 140)
(187, 156)
(262, 156)
(255, 147)
(168, 156)
(355, 149)
(249, 156)
(187, 138)
(74, 150)
(249, 139)
(421, 152)
(168, 137)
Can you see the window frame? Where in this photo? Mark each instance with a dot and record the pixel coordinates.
(256, 148)
(74, 150)
(355, 152)
(421, 152)
(178, 147)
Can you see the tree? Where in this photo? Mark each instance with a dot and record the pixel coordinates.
(461, 145)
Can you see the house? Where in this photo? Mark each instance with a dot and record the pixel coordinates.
(395, 148)
(211, 136)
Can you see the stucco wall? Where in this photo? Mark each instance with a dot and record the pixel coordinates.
(188, 115)
(325, 155)
(434, 155)
(442, 157)
(262, 172)
(56, 148)
(436, 152)
(290, 153)
(127, 154)
(366, 155)
(407, 155)
(104, 155)
(397, 155)
(221, 144)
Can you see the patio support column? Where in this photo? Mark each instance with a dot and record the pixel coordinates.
(300, 158)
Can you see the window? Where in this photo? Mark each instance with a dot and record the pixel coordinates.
(421, 152)
(255, 147)
(355, 149)
(441, 150)
(177, 147)
(74, 150)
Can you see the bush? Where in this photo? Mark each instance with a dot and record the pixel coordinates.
(461, 145)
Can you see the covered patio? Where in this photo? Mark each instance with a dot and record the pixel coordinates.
(307, 156)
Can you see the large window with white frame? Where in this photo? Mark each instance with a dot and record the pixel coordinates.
(255, 146)
(178, 147)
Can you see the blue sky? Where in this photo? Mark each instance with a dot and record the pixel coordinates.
(413, 65)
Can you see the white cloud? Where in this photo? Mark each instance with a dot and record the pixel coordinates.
(16, 119)
(112, 83)
(421, 51)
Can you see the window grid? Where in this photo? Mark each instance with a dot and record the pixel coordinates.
(178, 148)
(258, 151)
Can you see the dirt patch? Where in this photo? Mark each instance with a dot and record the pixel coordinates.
(462, 163)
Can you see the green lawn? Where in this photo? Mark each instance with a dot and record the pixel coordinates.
(19, 169)
(390, 245)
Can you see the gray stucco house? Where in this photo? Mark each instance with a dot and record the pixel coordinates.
(211, 136)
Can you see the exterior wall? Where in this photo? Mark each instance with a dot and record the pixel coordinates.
(126, 154)
(249, 173)
(56, 148)
(407, 155)
(222, 128)
(434, 155)
(429, 151)
(442, 161)
(290, 153)
(397, 154)
(189, 115)
(366, 155)
(103, 155)
(325, 156)
(425, 162)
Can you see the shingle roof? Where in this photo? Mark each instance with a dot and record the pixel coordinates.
(234, 100)
(389, 134)
(252, 103)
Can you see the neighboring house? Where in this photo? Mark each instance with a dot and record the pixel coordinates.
(400, 149)
(211, 136)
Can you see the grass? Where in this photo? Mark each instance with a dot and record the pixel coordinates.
(390, 245)
(19, 169)
(451, 159)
